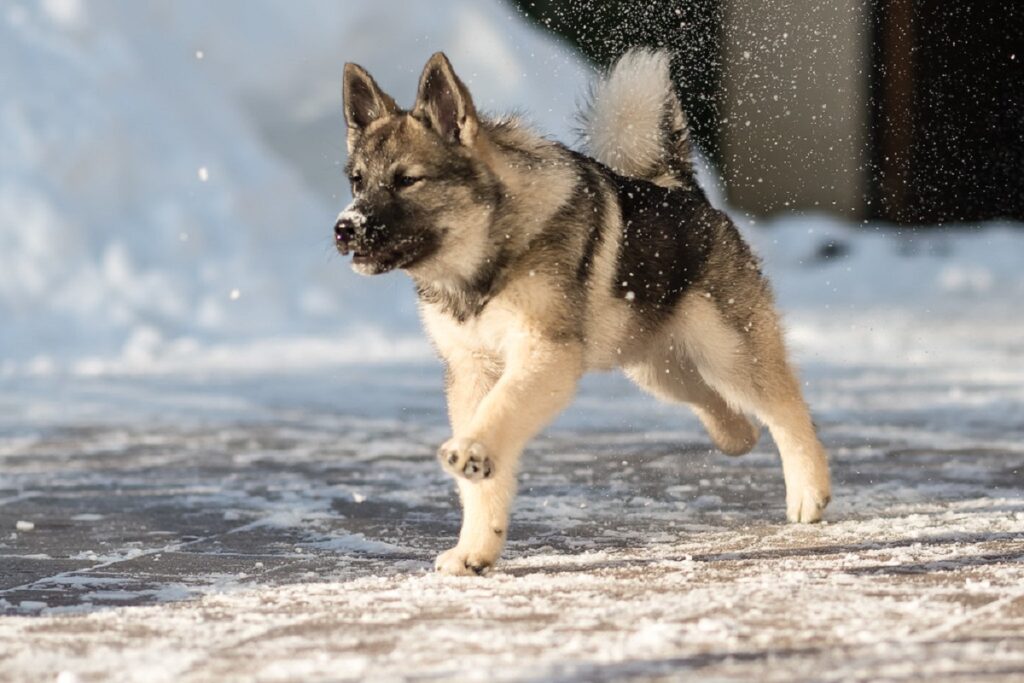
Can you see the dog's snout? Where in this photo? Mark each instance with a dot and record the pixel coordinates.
(347, 228)
(344, 231)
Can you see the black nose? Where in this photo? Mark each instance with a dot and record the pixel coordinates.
(344, 232)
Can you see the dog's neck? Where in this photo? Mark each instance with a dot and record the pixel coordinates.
(521, 164)
(465, 298)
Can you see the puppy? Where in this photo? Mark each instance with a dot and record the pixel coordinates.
(534, 263)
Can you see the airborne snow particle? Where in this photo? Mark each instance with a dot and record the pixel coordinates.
(630, 296)
(204, 174)
(199, 54)
(22, 525)
(235, 294)
(358, 497)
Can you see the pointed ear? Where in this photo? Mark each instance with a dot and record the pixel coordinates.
(444, 102)
(365, 102)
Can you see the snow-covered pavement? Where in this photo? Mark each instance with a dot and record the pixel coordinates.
(282, 526)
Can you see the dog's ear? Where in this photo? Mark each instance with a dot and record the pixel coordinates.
(444, 102)
(365, 102)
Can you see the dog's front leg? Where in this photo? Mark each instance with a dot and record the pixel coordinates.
(538, 381)
(468, 379)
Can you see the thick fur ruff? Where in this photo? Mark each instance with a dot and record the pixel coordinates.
(535, 264)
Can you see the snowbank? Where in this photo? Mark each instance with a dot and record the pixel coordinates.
(146, 219)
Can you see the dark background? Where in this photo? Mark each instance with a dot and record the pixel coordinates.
(943, 84)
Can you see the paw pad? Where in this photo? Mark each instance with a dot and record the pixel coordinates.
(465, 458)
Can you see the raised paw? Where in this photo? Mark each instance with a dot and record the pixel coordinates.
(458, 562)
(465, 458)
(806, 503)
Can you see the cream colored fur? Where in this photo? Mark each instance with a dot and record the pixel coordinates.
(508, 379)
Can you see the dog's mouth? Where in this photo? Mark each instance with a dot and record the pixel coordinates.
(374, 263)
(368, 259)
(384, 259)
(372, 255)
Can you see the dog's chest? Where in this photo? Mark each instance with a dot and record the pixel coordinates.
(491, 332)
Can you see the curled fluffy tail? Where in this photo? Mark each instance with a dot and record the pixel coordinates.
(634, 124)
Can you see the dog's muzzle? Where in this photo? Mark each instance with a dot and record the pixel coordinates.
(347, 229)
(374, 247)
(344, 235)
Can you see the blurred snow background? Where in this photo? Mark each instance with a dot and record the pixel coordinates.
(170, 172)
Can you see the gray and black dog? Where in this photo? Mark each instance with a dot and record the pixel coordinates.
(535, 263)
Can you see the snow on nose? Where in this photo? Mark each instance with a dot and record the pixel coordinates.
(352, 215)
(349, 223)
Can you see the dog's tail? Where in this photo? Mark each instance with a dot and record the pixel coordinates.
(633, 121)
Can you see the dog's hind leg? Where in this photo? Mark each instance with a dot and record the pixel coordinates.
(804, 462)
(670, 377)
(749, 369)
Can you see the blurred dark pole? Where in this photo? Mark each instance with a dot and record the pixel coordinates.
(691, 30)
(893, 86)
(948, 95)
(905, 110)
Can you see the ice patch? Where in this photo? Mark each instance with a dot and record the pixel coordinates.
(356, 543)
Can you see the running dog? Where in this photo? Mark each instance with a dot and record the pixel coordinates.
(535, 263)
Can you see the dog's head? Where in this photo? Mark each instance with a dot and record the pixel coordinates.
(422, 196)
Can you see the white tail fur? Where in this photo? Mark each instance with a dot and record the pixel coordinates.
(633, 122)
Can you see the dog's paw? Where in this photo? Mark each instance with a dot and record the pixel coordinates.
(459, 562)
(805, 504)
(465, 458)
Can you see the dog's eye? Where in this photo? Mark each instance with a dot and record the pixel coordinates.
(406, 180)
(356, 180)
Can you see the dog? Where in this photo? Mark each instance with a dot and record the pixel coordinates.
(535, 263)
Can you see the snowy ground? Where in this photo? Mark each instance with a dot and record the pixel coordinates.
(281, 526)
